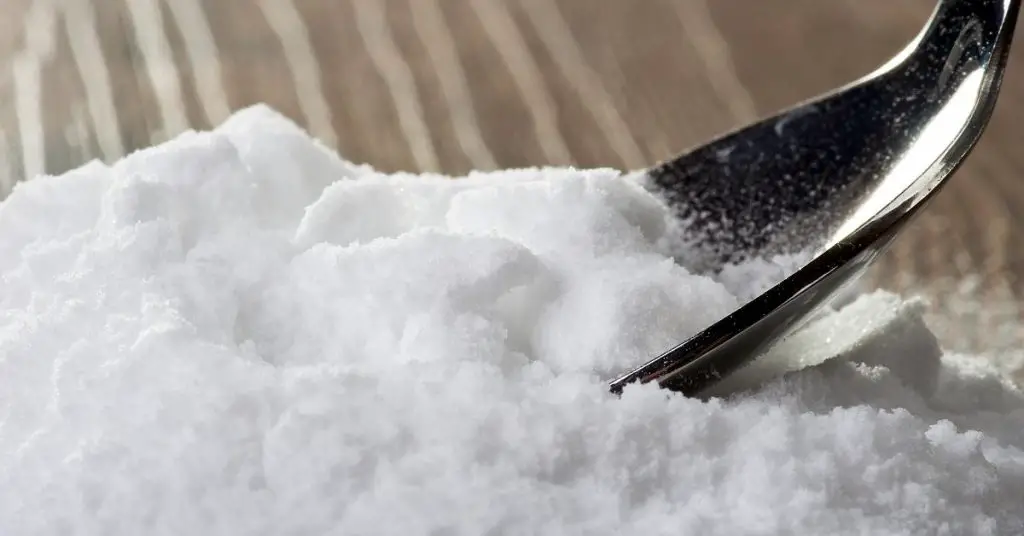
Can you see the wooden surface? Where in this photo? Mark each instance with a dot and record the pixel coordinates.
(453, 85)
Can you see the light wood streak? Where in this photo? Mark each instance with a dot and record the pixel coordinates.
(163, 74)
(372, 25)
(27, 70)
(555, 34)
(27, 88)
(7, 174)
(78, 133)
(203, 56)
(287, 24)
(700, 28)
(83, 37)
(529, 80)
(429, 23)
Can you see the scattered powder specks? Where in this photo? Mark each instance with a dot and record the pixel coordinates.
(238, 333)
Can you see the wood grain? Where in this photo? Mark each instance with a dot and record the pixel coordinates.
(454, 85)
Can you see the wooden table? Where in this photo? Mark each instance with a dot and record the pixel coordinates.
(453, 85)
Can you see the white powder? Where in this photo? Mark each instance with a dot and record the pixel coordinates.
(238, 333)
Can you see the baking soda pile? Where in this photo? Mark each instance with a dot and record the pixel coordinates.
(239, 333)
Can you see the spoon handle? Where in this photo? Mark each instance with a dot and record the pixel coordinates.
(958, 36)
(837, 176)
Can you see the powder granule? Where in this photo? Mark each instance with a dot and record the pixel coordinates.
(237, 332)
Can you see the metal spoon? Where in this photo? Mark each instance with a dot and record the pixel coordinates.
(839, 176)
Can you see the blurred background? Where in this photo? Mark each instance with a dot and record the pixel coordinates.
(454, 85)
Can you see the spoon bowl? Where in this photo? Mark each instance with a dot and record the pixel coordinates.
(838, 176)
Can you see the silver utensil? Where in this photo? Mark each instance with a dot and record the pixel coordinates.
(838, 176)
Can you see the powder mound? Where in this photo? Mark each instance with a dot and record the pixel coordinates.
(237, 332)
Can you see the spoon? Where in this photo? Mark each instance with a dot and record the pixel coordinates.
(838, 176)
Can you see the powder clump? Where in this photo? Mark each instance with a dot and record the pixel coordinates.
(237, 332)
